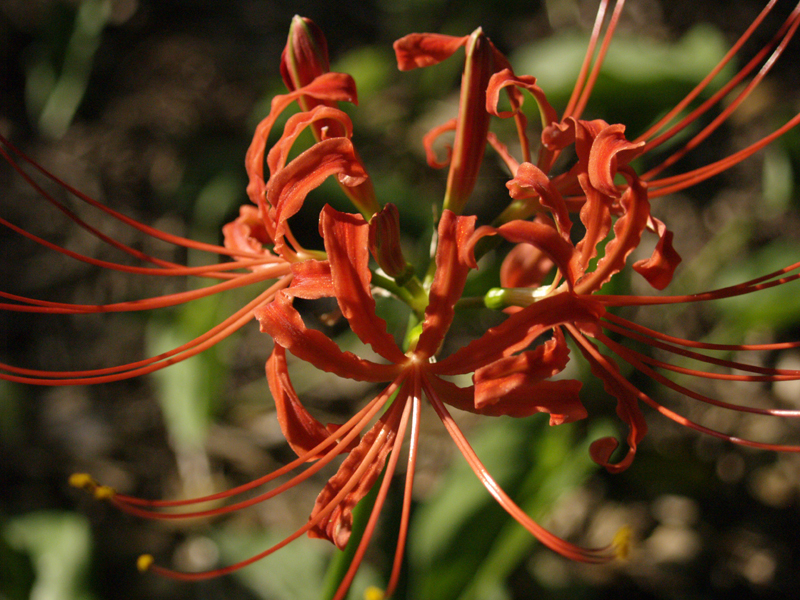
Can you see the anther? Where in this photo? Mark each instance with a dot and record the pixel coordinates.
(82, 481)
(103, 492)
(144, 562)
(622, 542)
(373, 593)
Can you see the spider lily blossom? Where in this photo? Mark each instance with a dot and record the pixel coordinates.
(551, 287)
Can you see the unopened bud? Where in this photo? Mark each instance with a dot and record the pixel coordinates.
(473, 121)
(384, 242)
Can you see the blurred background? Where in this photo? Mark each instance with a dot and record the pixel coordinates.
(149, 106)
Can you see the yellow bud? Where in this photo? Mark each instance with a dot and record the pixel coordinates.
(143, 562)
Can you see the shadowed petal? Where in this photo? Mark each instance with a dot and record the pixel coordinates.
(280, 320)
(538, 234)
(525, 266)
(448, 282)
(519, 330)
(248, 233)
(302, 431)
(659, 268)
(374, 448)
(347, 244)
(312, 280)
(425, 49)
(288, 188)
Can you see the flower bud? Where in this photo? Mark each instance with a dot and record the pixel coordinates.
(473, 121)
(305, 58)
(384, 242)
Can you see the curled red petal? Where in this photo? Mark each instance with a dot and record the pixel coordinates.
(627, 234)
(524, 379)
(558, 398)
(448, 281)
(519, 330)
(346, 239)
(610, 151)
(495, 379)
(660, 267)
(288, 188)
(302, 431)
(595, 214)
(311, 280)
(530, 181)
(283, 323)
(425, 49)
(333, 87)
(374, 447)
(431, 137)
(559, 135)
(586, 133)
(248, 233)
(296, 124)
(506, 79)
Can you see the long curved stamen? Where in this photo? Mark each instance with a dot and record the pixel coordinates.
(383, 491)
(652, 333)
(44, 306)
(637, 360)
(680, 106)
(571, 551)
(587, 59)
(156, 363)
(321, 516)
(668, 185)
(591, 349)
(765, 373)
(598, 63)
(413, 446)
(151, 231)
(336, 442)
(341, 438)
(794, 21)
(747, 287)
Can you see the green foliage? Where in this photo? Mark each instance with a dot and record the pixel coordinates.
(59, 546)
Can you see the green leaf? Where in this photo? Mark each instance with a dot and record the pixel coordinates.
(60, 547)
(463, 545)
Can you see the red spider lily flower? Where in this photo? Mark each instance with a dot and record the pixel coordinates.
(610, 212)
(305, 58)
(514, 373)
(255, 241)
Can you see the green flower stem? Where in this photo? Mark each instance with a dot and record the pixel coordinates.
(411, 292)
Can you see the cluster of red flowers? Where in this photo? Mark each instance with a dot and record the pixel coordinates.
(550, 287)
